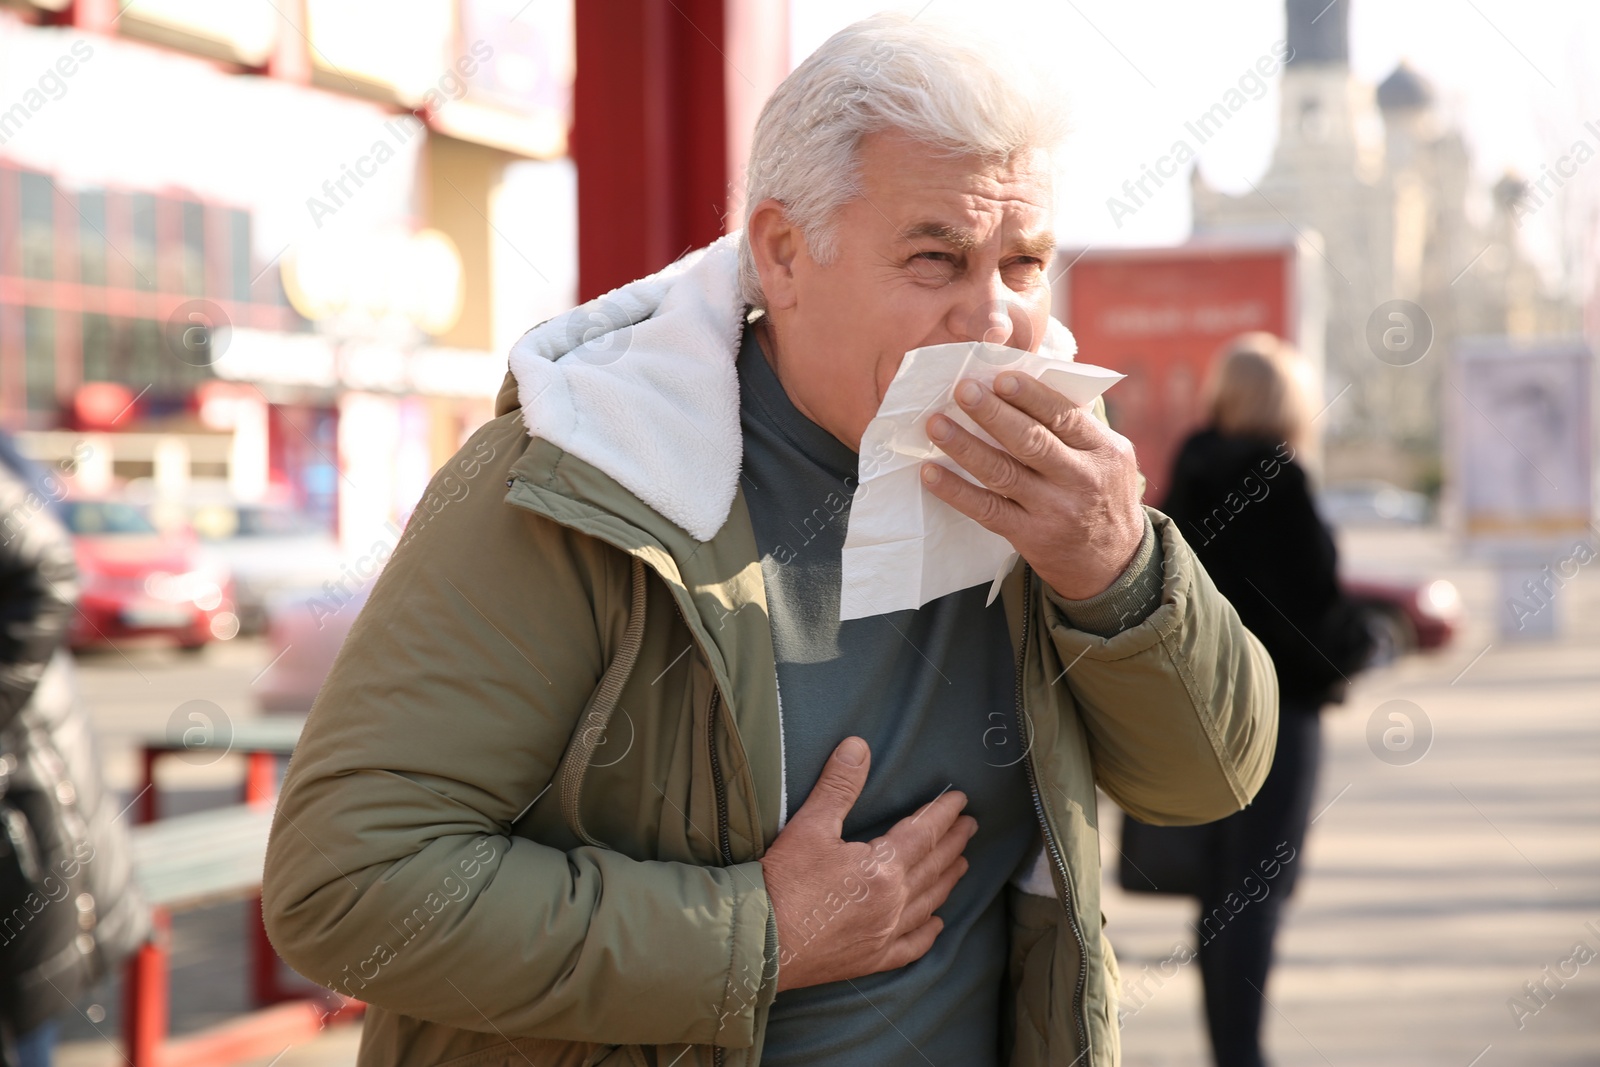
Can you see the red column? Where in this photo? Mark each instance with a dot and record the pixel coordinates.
(664, 93)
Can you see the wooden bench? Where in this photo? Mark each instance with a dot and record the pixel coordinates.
(209, 857)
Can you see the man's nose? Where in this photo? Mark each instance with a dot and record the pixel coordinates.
(995, 315)
(992, 322)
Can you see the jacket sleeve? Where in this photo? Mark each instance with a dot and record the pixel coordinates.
(1181, 710)
(392, 874)
(38, 584)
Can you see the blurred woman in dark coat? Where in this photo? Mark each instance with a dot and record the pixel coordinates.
(1241, 497)
(68, 909)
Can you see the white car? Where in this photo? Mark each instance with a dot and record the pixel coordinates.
(270, 549)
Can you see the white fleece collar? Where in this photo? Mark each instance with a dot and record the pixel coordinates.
(641, 383)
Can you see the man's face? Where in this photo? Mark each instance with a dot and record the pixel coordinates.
(938, 248)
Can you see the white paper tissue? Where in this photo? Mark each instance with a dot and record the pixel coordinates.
(904, 546)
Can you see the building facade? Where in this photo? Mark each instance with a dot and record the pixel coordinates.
(266, 245)
(1379, 182)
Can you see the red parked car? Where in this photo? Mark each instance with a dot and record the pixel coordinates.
(135, 581)
(1406, 616)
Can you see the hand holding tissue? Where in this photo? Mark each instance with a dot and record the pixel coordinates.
(904, 546)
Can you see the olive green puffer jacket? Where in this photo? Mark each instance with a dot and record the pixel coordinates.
(525, 818)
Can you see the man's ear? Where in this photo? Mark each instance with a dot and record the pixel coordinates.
(774, 244)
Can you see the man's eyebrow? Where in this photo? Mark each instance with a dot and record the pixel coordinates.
(1040, 245)
(954, 236)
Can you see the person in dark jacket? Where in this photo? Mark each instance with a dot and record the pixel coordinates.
(68, 910)
(1241, 496)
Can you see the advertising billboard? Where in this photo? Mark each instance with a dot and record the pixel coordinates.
(1522, 442)
(1160, 316)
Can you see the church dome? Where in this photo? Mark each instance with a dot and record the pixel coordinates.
(1404, 90)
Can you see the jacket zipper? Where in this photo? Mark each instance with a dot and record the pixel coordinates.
(1044, 825)
(723, 842)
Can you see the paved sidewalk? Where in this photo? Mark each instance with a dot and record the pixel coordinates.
(1434, 890)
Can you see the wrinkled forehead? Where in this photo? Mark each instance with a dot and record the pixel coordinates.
(957, 198)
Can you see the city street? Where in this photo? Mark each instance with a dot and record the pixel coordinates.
(1434, 890)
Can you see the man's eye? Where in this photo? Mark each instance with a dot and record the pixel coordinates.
(933, 266)
(1026, 267)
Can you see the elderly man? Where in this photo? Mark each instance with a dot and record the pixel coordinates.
(600, 777)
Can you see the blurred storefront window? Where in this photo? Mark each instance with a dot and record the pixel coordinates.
(135, 256)
(38, 218)
(142, 250)
(100, 358)
(148, 363)
(192, 261)
(239, 255)
(150, 212)
(39, 364)
(92, 251)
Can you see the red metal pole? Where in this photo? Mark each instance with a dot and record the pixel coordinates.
(145, 994)
(149, 801)
(261, 787)
(260, 778)
(265, 987)
(656, 98)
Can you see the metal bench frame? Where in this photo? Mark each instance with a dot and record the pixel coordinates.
(194, 860)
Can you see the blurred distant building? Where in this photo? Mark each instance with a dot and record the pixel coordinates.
(1380, 178)
(264, 244)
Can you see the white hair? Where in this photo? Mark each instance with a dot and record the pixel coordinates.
(937, 83)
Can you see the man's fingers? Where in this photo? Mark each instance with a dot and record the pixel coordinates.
(946, 852)
(1027, 436)
(1009, 475)
(1073, 425)
(840, 784)
(915, 836)
(930, 900)
(985, 507)
(910, 947)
